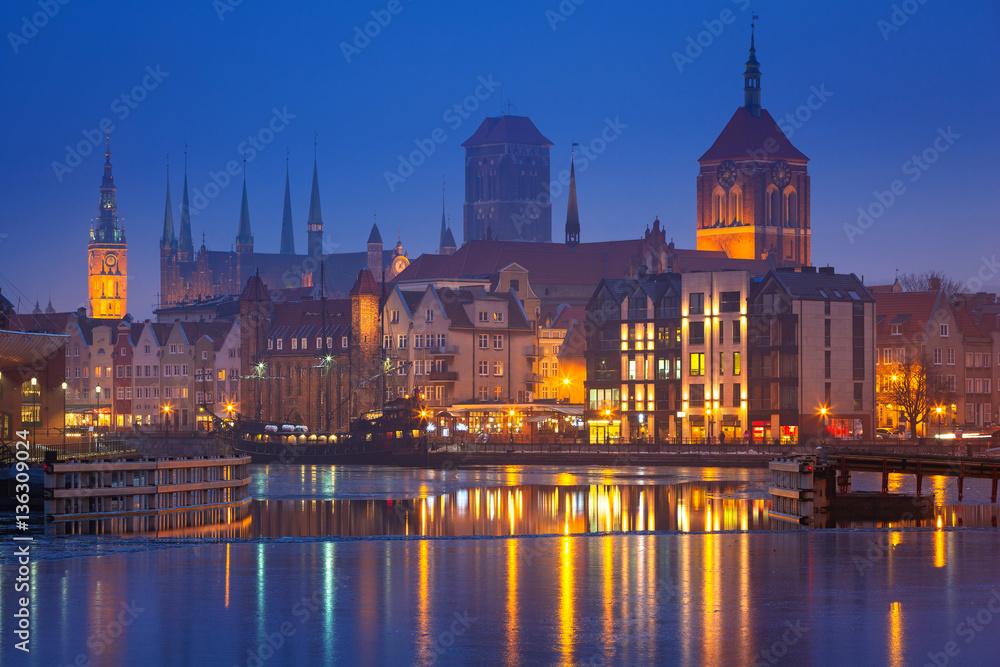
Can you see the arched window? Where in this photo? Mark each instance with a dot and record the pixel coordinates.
(791, 207)
(735, 205)
(545, 369)
(773, 206)
(718, 206)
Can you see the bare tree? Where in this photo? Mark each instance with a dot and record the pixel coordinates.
(920, 282)
(915, 387)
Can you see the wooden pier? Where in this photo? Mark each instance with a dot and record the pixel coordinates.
(917, 465)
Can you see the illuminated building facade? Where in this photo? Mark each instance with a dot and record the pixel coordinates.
(107, 253)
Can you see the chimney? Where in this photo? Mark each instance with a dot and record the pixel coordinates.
(826, 270)
(934, 284)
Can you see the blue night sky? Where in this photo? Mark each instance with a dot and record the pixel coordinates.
(887, 94)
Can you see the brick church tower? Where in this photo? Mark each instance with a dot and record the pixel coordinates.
(107, 253)
(507, 182)
(753, 186)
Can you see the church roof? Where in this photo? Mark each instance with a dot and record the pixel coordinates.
(507, 130)
(375, 237)
(449, 239)
(746, 136)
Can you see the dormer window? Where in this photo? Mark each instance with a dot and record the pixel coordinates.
(896, 330)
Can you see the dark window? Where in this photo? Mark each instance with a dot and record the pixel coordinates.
(696, 333)
(858, 389)
(737, 394)
(736, 331)
(826, 333)
(668, 307)
(515, 285)
(826, 308)
(696, 303)
(729, 302)
(826, 364)
(637, 307)
(697, 395)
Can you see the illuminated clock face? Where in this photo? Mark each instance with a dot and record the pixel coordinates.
(110, 261)
(781, 173)
(727, 173)
(398, 265)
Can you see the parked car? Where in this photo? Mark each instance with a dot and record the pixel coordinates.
(882, 433)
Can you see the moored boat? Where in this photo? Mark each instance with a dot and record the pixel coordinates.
(393, 435)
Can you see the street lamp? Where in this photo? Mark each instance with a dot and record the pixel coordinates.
(823, 411)
(35, 419)
(97, 390)
(166, 419)
(939, 411)
(65, 387)
(565, 383)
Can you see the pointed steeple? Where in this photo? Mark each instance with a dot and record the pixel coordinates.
(244, 237)
(315, 222)
(167, 240)
(572, 214)
(751, 79)
(49, 310)
(108, 230)
(185, 245)
(444, 227)
(287, 231)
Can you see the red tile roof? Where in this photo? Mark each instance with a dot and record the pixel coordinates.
(745, 136)
(914, 310)
(365, 284)
(507, 130)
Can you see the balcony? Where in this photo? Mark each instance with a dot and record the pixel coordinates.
(443, 376)
(446, 351)
(607, 345)
(532, 377)
(533, 351)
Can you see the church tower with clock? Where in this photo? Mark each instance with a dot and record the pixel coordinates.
(753, 186)
(107, 253)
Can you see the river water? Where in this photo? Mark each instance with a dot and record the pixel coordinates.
(516, 565)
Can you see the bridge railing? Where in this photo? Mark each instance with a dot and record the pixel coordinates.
(501, 445)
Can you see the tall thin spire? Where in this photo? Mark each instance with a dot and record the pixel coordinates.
(572, 213)
(751, 78)
(244, 237)
(185, 245)
(167, 240)
(444, 227)
(108, 230)
(314, 224)
(287, 231)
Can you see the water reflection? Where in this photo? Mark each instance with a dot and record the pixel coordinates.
(529, 509)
